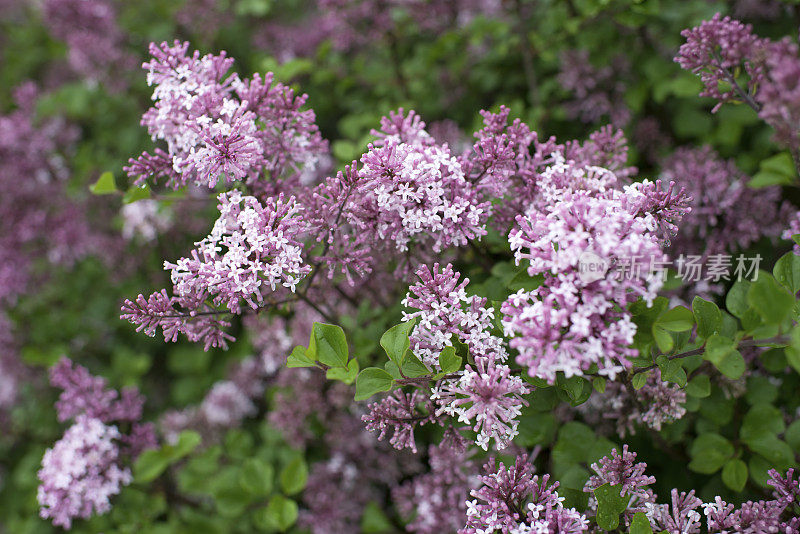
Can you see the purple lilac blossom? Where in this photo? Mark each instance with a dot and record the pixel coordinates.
(80, 473)
(622, 470)
(597, 92)
(514, 500)
(399, 412)
(215, 124)
(725, 214)
(571, 321)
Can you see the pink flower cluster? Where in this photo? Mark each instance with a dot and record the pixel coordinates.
(512, 500)
(83, 470)
(218, 125)
(719, 48)
(572, 321)
(80, 473)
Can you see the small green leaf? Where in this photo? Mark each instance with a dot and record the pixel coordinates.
(736, 299)
(152, 462)
(717, 348)
(709, 452)
(299, 358)
(734, 474)
(395, 341)
(639, 380)
(599, 384)
(732, 365)
(330, 345)
(344, 374)
(136, 193)
(787, 271)
(640, 524)
(372, 380)
(708, 317)
(294, 476)
(449, 362)
(699, 386)
(577, 389)
(609, 506)
(281, 512)
(663, 339)
(772, 302)
(413, 367)
(104, 185)
(256, 477)
(678, 319)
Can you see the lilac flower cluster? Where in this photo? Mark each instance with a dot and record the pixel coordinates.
(572, 322)
(485, 394)
(596, 92)
(215, 124)
(84, 469)
(719, 48)
(683, 515)
(94, 39)
(80, 473)
(437, 496)
(399, 413)
(512, 500)
(726, 215)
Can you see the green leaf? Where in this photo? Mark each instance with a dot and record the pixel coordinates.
(599, 384)
(734, 474)
(717, 348)
(769, 178)
(256, 477)
(709, 452)
(775, 170)
(374, 521)
(699, 386)
(294, 476)
(761, 420)
(135, 193)
(609, 506)
(639, 380)
(281, 513)
(678, 319)
(152, 462)
(104, 185)
(708, 317)
(299, 358)
(372, 380)
(772, 302)
(344, 374)
(787, 272)
(449, 362)
(522, 280)
(413, 367)
(640, 524)
(663, 339)
(736, 299)
(732, 365)
(330, 345)
(577, 389)
(395, 341)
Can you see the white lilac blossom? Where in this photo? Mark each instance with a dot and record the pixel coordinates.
(573, 321)
(80, 474)
(446, 312)
(414, 192)
(487, 397)
(252, 246)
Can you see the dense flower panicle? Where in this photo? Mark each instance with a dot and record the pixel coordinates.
(400, 127)
(176, 315)
(80, 474)
(573, 321)
(653, 405)
(414, 192)
(226, 404)
(623, 470)
(399, 412)
(436, 499)
(681, 517)
(84, 394)
(94, 40)
(716, 48)
(216, 124)
(250, 247)
(487, 397)
(445, 311)
(596, 92)
(664, 206)
(779, 94)
(725, 215)
(606, 148)
(512, 500)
